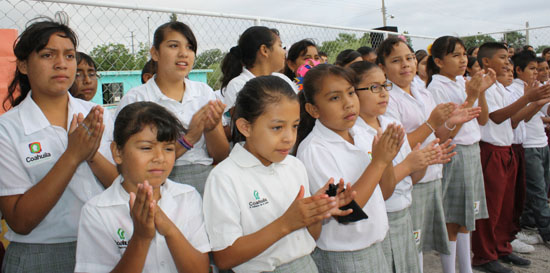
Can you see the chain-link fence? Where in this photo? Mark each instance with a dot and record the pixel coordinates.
(118, 37)
(537, 37)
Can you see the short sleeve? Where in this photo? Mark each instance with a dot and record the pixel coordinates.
(126, 99)
(195, 230)
(14, 179)
(320, 166)
(94, 250)
(494, 100)
(439, 94)
(222, 214)
(392, 111)
(229, 94)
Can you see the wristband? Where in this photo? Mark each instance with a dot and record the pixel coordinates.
(450, 129)
(429, 126)
(185, 143)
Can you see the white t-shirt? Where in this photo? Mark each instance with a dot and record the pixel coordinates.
(197, 94)
(106, 228)
(412, 112)
(243, 196)
(401, 197)
(230, 92)
(445, 90)
(497, 134)
(30, 148)
(327, 155)
(417, 80)
(515, 91)
(535, 136)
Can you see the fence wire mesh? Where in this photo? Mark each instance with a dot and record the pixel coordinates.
(119, 37)
(537, 37)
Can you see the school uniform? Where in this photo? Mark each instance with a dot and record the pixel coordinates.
(243, 196)
(356, 246)
(418, 81)
(536, 168)
(515, 91)
(194, 165)
(230, 92)
(399, 245)
(30, 148)
(490, 240)
(429, 229)
(106, 227)
(463, 189)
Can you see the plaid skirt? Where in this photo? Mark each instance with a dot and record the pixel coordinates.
(46, 258)
(429, 228)
(194, 175)
(304, 264)
(367, 260)
(399, 245)
(463, 188)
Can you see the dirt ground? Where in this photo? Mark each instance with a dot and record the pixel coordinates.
(540, 262)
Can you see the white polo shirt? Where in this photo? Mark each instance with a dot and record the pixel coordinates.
(106, 228)
(30, 148)
(515, 91)
(243, 196)
(327, 155)
(497, 134)
(412, 112)
(445, 90)
(230, 92)
(401, 197)
(197, 94)
(535, 136)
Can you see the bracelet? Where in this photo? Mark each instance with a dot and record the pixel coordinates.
(185, 143)
(450, 129)
(429, 126)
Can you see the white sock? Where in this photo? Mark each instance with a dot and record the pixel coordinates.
(421, 262)
(448, 261)
(463, 252)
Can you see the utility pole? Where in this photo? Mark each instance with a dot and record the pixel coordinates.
(383, 13)
(527, 32)
(132, 36)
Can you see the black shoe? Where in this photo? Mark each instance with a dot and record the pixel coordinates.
(515, 260)
(493, 267)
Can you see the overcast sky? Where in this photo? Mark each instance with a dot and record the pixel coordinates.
(427, 17)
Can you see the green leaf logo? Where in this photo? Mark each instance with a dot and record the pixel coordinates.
(256, 195)
(120, 233)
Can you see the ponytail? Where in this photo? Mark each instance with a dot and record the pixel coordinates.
(431, 69)
(244, 54)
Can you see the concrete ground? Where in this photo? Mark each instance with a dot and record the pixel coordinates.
(540, 262)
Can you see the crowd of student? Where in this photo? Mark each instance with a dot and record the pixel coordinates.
(361, 167)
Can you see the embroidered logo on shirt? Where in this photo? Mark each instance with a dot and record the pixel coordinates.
(476, 207)
(35, 148)
(417, 235)
(370, 155)
(258, 201)
(122, 243)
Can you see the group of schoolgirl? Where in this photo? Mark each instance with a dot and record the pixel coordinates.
(82, 193)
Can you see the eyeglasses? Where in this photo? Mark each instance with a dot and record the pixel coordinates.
(377, 88)
(91, 75)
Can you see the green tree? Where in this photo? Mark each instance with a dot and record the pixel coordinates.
(342, 42)
(208, 58)
(477, 40)
(541, 48)
(115, 56)
(173, 17)
(514, 39)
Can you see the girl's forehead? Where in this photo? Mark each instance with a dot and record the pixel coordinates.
(170, 34)
(373, 75)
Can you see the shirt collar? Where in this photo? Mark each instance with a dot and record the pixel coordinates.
(116, 195)
(189, 94)
(441, 78)
(381, 119)
(322, 131)
(245, 159)
(34, 120)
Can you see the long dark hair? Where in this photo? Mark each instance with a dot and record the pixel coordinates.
(33, 39)
(244, 54)
(255, 96)
(312, 85)
(440, 48)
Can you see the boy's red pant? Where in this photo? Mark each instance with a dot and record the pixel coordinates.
(491, 239)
